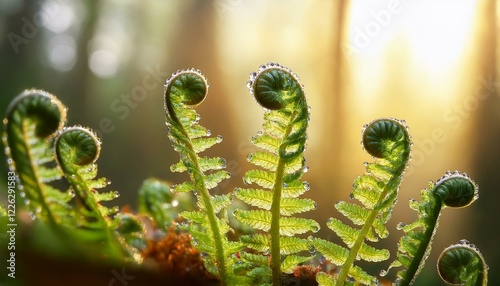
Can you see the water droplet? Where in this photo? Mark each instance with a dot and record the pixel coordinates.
(117, 194)
(195, 192)
(311, 249)
(307, 186)
(400, 226)
(383, 273)
(315, 205)
(285, 185)
(204, 255)
(315, 228)
(259, 133)
(32, 215)
(108, 182)
(115, 209)
(175, 203)
(208, 132)
(464, 242)
(249, 157)
(27, 202)
(5, 121)
(249, 85)
(351, 196)
(365, 164)
(22, 194)
(223, 163)
(219, 138)
(305, 169)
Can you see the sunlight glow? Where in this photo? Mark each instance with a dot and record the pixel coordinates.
(420, 41)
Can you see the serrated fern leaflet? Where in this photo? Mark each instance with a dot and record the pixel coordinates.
(184, 90)
(388, 140)
(455, 190)
(32, 120)
(282, 144)
(77, 149)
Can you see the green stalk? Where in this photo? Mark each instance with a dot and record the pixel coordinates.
(424, 244)
(275, 216)
(344, 271)
(197, 176)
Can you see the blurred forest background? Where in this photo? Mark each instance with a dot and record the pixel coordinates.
(432, 63)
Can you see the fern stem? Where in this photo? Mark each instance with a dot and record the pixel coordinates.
(77, 148)
(33, 117)
(275, 211)
(344, 271)
(192, 95)
(199, 181)
(454, 189)
(424, 245)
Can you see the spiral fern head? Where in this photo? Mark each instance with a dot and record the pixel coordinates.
(44, 108)
(456, 189)
(77, 145)
(32, 119)
(462, 264)
(188, 86)
(274, 86)
(382, 136)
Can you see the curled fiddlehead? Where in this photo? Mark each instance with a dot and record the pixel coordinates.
(283, 142)
(388, 141)
(463, 264)
(454, 189)
(32, 120)
(77, 149)
(209, 225)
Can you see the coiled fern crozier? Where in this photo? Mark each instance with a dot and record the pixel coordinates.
(283, 142)
(32, 121)
(387, 140)
(184, 90)
(455, 190)
(43, 153)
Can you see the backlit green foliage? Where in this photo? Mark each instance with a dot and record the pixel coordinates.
(209, 224)
(279, 182)
(45, 154)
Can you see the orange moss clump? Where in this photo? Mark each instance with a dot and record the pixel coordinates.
(175, 256)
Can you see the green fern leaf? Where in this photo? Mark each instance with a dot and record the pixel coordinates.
(157, 201)
(32, 120)
(208, 226)
(291, 261)
(454, 189)
(282, 144)
(387, 140)
(77, 150)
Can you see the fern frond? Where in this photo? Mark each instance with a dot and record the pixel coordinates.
(157, 201)
(32, 120)
(388, 141)
(208, 226)
(463, 264)
(454, 189)
(283, 142)
(77, 149)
